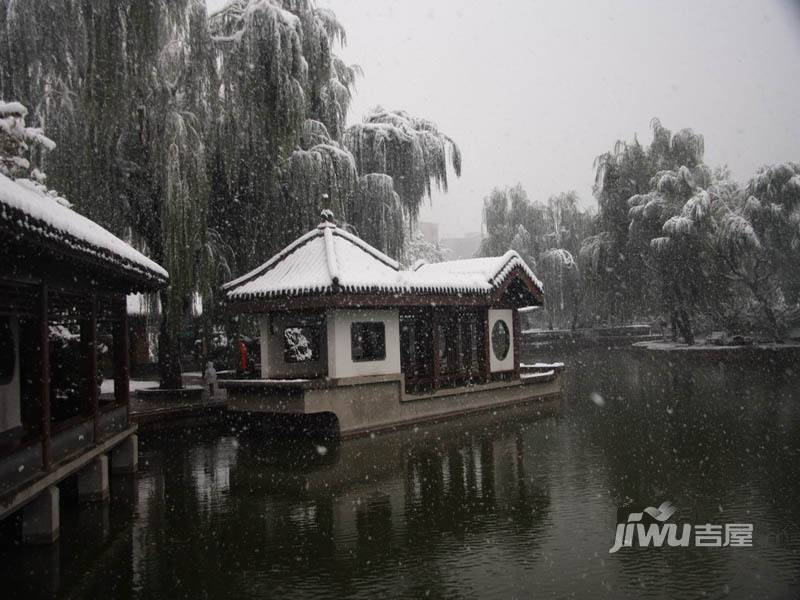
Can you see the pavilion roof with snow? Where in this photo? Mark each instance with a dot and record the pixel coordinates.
(38, 227)
(329, 266)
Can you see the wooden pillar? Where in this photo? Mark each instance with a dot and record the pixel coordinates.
(121, 358)
(516, 340)
(44, 377)
(435, 344)
(89, 330)
(485, 350)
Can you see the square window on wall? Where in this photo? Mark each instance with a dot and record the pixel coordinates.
(368, 341)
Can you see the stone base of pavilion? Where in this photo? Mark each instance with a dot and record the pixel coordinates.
(155, 416)
(189, 393)
(363, 405)
(26, 486)
(152, 408)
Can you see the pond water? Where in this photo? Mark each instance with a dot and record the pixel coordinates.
(519, 503)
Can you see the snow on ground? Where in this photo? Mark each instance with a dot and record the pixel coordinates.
(540, 375)
(679, 346)
(107, 387)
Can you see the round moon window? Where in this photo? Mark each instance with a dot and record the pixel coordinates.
(501, 339)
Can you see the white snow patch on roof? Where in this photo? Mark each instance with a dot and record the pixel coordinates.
(52, 219)
(493, 269)
(13, 108)
(329, 258)
(305, 266)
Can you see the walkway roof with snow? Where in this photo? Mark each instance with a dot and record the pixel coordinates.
(44, 225)
(329, 265)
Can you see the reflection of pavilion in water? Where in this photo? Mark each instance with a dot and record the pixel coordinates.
(356, 510)
(384, 497)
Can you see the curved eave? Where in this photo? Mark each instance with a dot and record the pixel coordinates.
(527, 295)
(20, 229)
(352, 300)
(530, 294)
(520, 269)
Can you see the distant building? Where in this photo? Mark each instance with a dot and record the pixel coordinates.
(462, 247)
(429, 231)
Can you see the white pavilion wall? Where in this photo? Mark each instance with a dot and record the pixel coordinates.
(497, 365)
(340, 359)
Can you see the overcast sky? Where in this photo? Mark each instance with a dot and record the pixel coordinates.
(533, 91)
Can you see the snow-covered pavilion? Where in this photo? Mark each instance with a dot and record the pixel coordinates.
(431, 323)
(335, 311)
(60, 268)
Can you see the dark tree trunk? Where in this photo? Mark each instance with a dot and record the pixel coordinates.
(681, 317)
(674, 324)
(169, 351)
(685, 325)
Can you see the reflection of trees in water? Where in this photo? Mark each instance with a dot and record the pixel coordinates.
(182, 493)
(454, 489)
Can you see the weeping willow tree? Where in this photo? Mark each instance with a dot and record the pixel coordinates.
(757, 242)
(355, 181)
(321, 177)
(772, 206)
(283, 152)
(360, 183)
(285, 97)
(714, 258)
(126, 89)
(410, 150)
(208, 141)
(686, 279)
(505, 210)
(168, 192)
(324, 176)
(180, 236)
(559, 270)
(596, 259)
(47, 63)
(378, 216)
(628, 171)
(547, 236)
(678, 208)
